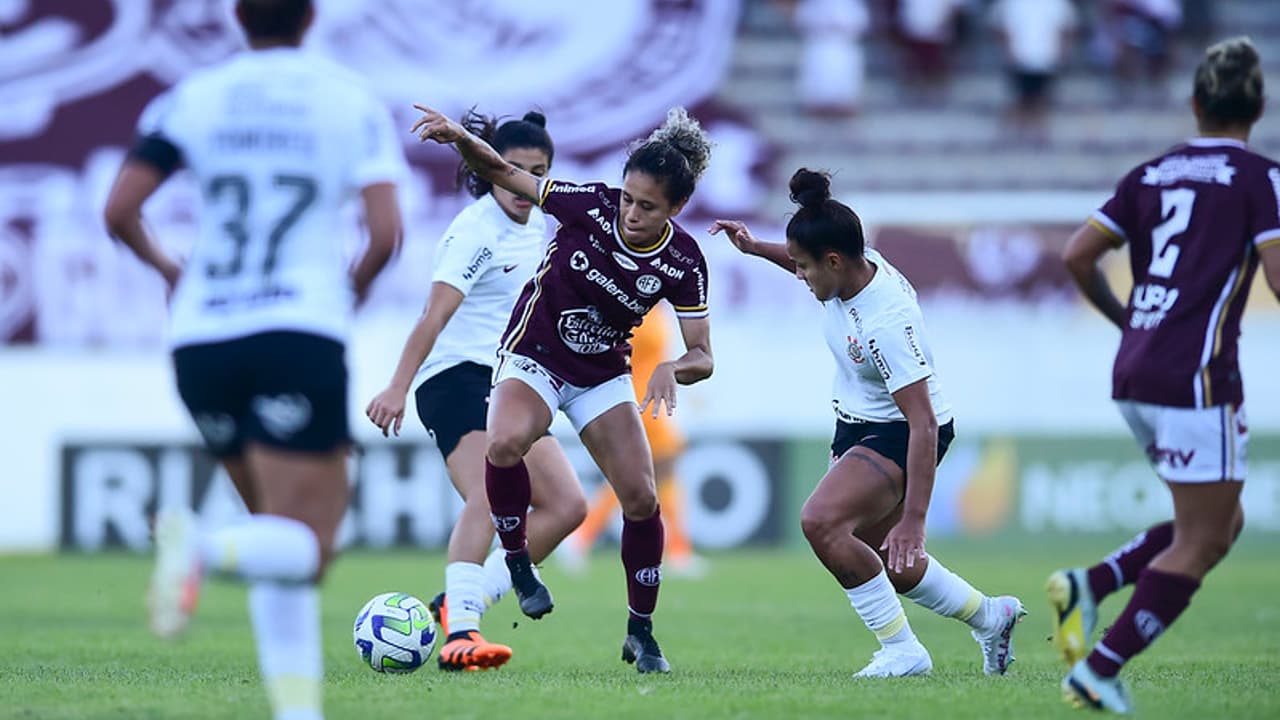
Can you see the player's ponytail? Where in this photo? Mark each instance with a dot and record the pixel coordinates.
(527, 132)
(822, 224)
(1228, 84)
(677, 154)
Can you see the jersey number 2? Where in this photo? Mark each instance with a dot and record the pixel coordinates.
(303, 191)
(1175, 207)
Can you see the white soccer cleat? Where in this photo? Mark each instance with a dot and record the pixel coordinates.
(175, 582)
(895, 661)
(1075, 613)
(1084, 688)
(997, 642)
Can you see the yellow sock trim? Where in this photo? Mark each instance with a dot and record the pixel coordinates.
(230, 558)
(971, 607)
(893, 628)
(290, 692)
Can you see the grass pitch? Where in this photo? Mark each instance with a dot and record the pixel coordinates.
(763, 635)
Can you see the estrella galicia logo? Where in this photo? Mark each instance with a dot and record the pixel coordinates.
(505, 523)
(650, 576)
(877, 357)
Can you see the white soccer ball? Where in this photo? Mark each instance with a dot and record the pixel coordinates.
(394, 633)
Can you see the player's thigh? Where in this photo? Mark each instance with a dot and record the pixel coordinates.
(521, 404)
(310, 487)
(861, 488)
(552, 478)
(617, 443)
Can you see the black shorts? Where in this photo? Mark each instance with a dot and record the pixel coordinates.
(889, 439)
(285, 390)
(454, 403)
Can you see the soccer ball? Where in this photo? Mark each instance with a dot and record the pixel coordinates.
(394, 633)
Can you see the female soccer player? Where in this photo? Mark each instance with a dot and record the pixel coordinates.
(1197, 220)
(616, 254)
(279, 140)
(650, 345)
(487, 254)
(866, 519)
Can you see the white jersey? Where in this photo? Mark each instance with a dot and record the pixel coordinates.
(488, 257)
(877, 338)
(279, 140)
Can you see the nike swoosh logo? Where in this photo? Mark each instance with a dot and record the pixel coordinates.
(509, 268)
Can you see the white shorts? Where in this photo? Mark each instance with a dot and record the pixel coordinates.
(1190, 445)
(581, 405)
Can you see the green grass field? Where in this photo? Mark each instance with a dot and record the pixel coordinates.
(764, 635)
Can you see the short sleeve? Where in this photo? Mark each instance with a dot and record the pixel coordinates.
(1265, 207)
(895, 351)
(570, 203)
(1117, 215)
(689, 296)
(158, 143)
(464, 253)
(379, 158)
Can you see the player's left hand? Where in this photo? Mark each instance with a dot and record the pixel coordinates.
(434, 125)
(904, 543)
(662, 389)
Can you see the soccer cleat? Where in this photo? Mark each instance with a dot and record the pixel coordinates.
(896, 661)
(535, 598)
(1075, 613)
(640, 648)
(175, 582)
(997, 643)
(1084, 688)
(469, 651)
(440, 613)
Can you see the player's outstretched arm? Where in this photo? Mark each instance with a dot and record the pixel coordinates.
(136, 182)
(905, 541)
(740, 235)
(1085, 248)
(386, 409)
(382, 216)
(1270, 256)
(478, 154)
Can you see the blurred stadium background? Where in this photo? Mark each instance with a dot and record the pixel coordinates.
(971, 199)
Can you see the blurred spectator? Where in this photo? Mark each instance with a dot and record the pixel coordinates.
(926, 29)
(832, 60)
(1036, 35)
(1143, 32)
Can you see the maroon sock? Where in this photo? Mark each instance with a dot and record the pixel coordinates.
(1121, 567)
(508, 490)
(1157, 601)
(642, 558)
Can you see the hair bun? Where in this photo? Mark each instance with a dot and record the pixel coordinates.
(535, 117)
(810, 188)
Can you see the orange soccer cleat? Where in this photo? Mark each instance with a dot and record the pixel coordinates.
(468, 650)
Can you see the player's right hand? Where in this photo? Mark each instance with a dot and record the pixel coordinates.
(738, 234)
(433, 125)
(386, 410)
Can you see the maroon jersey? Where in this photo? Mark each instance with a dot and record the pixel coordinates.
(1194, 218)
(576, 314)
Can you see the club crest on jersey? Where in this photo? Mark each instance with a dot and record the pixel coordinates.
(648, 284)
(578, 261)
(855, 351)
(625, 262)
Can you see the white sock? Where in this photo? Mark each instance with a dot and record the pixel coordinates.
(949, 595)
(879, 607)
(497, 578)
(286, 627)
(464, 584)
(263, 547)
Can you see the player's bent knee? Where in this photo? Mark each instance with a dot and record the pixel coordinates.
(639, 505)
(505, 449)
